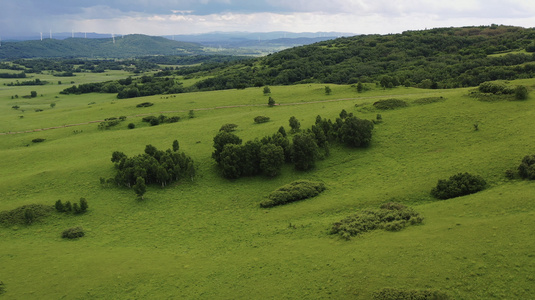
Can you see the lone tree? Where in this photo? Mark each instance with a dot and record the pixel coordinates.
(271, 102)
(294, 124)
(328, 90)
(176, 146)
(521, 92)
(140, 188)
(267, 90)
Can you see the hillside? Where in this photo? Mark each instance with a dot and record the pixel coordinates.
(210, 239)
(124, 47)
(436, 58)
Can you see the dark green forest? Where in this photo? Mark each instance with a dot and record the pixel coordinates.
(436, 58)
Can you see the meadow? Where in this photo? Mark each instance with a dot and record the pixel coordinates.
(209, 238)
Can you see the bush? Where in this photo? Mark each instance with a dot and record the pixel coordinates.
(26, 214)
(131, 126)
(228, 127)
(404, 294)
(458, 185)
(145, 104)
(2, 288)
(73, 233)
(261, 119)
(38, 140)
(496, 88)
(390, 104)
(526, 169)
(521, 92)
(295, 191)
(391, 217)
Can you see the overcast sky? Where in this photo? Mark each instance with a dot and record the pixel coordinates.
(166, 17)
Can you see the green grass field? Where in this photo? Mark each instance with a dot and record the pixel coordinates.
(209, 239)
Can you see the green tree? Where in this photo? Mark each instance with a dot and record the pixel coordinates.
(67, 207)
(83, 205)
(59, 206)
(271, 159)
(140, 188)
(267, 90)
(355, 132)
(328, 90)
(52, 105)
(191, 114)
(232, 161)
(294, 124)
(176, 146)
(282, 131)
(220, 140)
(33, 94)
(343, 114)
(271, 102)
(304, 151)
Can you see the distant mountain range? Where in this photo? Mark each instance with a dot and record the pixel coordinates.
(94, 45)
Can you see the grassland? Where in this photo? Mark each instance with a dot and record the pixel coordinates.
(209, 239)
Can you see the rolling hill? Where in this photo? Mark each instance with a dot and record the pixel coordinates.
(123, 47)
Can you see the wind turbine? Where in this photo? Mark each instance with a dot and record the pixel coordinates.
(41, 36)
(50, 33)
(113, 37)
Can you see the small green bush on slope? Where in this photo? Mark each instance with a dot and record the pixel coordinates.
(26, 214)
(390, 104)
(527, 168)
(295, 191)
(391, 217)
(458, 185)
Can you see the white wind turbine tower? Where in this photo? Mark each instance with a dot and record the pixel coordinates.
(50, 33)
(113, 37)
(41, 36)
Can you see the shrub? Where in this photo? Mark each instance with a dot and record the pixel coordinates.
(510, 174)
(2, 288)
(38, 140)
(25, 214)
(391, 217)
(390, 104)
(261, 119)
(521, 92)
(131, 126)
(295, 191)
(73, 233)
(496, 88)
(405, 294)
(228, 127)
(145, 104)
(526, 169)
(458, 185)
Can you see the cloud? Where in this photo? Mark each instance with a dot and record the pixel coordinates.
(196, 16)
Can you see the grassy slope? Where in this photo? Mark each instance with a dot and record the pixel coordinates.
(209, 239)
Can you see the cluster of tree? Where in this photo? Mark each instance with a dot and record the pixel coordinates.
(437, 58)
(152, 167)
(76, 208)
(294, 191)
(499, 90)
(65, 66)
(36, 81)
(130, 88)
(161, 119)
(261, 119)
(10, 75)
(267, 156)
(390, 104)
(390, 216)
(460, 184)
